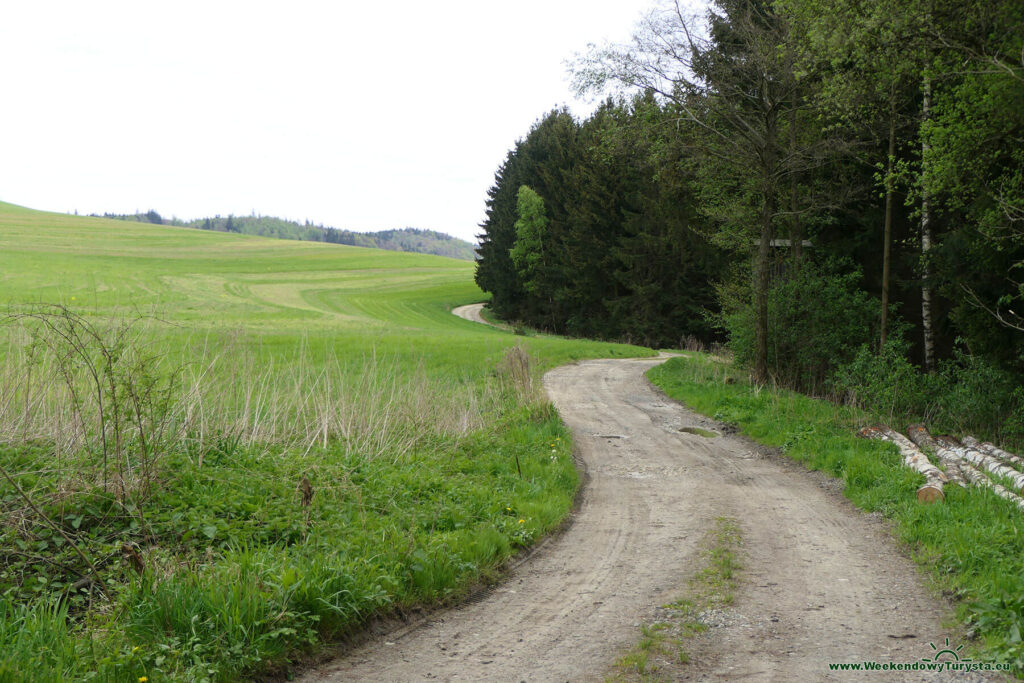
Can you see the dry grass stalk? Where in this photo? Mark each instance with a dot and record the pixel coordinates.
(516, 374)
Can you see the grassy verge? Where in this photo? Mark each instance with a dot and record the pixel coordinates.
(237, 573)
(291, 439)
(660, 654)
(251, 515)
(971, 544)
(492, 319)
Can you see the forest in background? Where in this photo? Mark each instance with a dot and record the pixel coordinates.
(834, 188)
(406, 239)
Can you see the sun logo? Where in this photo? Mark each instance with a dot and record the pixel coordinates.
(954, 653)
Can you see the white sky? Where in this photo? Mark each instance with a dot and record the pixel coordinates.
(363, 116)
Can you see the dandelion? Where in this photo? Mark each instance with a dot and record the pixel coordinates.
(521, 521)
(143, 679)
(509, 509)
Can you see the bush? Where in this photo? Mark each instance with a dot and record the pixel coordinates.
(976, 395)
(968, 395)
(885, 383)
(818, 318)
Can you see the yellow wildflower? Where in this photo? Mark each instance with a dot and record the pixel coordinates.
(521, 521)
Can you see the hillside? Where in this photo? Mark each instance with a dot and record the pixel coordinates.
(406, 239)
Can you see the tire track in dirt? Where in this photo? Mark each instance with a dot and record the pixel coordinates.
(822, 582)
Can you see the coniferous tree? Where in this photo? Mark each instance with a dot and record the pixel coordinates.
(618, 256)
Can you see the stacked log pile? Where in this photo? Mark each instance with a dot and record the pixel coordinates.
(969, 462)
(915, 460)
(998, 453)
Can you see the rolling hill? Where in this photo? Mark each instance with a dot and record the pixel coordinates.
(406, 239)
(218, 451)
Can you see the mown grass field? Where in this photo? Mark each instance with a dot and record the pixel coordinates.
(218, 451)
(971, 544)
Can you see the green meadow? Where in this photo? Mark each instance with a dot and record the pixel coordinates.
(219, 452)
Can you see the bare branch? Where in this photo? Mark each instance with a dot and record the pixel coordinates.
(1012, 321)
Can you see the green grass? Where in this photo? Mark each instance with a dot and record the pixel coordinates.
(971, 544)
(231, 369)
(661, 653)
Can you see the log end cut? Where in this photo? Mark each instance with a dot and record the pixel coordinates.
(929, 493)
(871, 432)
(917, 433)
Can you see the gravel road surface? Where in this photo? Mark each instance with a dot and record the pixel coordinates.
(822, 582)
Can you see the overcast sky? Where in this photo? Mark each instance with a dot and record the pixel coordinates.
(364, 116)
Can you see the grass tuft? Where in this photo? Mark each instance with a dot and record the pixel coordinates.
(661, 654)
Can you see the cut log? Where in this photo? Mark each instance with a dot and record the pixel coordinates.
(996, 452)
(984, 461)
(951, 462)
(915, 460)
(978, 478)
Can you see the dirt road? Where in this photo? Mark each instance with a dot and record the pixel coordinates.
(822, 582)
(470, 312)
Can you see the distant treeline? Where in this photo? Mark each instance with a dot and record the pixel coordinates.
(406, 239)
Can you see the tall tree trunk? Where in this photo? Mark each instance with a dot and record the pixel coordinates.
(926, 241)
(796, 237)
(761, 281)
(762, 272)
(887, 240)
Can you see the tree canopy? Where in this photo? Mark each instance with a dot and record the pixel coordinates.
(762, 155)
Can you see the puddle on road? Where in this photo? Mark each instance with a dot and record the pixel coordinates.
(699, 432)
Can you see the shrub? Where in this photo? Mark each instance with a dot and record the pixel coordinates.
(968, 395)
(885, 383)
(818, 318)
(976, 395)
